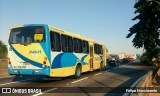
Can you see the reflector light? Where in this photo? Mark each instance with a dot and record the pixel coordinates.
(45, 58)
(44, 62)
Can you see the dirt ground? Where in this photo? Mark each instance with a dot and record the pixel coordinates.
(3, 67)
(156, 84)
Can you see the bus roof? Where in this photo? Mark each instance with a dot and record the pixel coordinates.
(60, 31)
(73, 34)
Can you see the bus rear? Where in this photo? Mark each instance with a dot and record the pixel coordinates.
(29, 50)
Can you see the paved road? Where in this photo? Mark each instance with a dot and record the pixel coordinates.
(111, 81)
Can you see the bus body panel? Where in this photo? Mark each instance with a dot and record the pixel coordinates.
(28, 59)
(64, 64)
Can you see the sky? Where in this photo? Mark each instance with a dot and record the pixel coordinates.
(106, 21)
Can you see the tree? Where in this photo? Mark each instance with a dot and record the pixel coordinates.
(147, 30)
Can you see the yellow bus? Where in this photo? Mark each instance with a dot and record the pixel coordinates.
(40, 49)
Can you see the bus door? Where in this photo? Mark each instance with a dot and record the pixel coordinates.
(91, 57)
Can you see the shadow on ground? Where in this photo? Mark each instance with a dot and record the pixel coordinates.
(121, 89)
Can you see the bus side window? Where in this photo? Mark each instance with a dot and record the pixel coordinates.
(52, 41)
(67, 43)
(95, 48)
(64, 43)
(70, 44)
(55, 41)
(100, 49)
(84, 46)
(79, 43)
(87, 47)
(75, 45)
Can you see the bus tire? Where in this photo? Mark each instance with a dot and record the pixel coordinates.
(77, 72)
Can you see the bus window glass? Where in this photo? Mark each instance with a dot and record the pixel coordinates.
(52, 41)
(100, 49)
(70, 44)
(87, 47)
(79, 46)
(32, 34)
(64, 43)
(55, 41)
(95, 48)
(84, 46)
(75, 45)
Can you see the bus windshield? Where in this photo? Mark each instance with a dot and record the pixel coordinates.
(32, 34)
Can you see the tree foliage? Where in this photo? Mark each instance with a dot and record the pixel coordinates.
(3, 49)
(151, 58)
(147, 30)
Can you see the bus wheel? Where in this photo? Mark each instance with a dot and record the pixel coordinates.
(78, 72)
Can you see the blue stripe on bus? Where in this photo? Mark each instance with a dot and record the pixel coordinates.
(84, 57)
(66, 60)
(26, 59)
(57, 61)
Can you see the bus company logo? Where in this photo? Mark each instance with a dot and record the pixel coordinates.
(23, 90)
(35, 52)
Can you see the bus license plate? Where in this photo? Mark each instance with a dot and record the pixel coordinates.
(26, 63)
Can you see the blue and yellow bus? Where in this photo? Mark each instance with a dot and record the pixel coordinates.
(40, 49)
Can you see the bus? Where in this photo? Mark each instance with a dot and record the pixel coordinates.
(40, 49)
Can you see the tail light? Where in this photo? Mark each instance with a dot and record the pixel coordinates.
(45, 59)
(44, 62)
